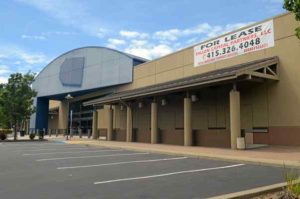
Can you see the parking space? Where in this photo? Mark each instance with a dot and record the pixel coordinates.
(58, 170)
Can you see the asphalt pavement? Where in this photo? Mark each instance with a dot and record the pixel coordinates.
(58, 170)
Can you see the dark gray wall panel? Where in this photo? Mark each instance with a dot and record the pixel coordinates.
(71, 71)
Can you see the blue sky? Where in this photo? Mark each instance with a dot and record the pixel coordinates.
(33, 32)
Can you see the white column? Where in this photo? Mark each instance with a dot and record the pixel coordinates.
(188, 138)
(235, 119)
(95, 125)
(154, 129)
(110, 124)
(129, 125)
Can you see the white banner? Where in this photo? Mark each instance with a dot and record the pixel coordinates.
(248, 40)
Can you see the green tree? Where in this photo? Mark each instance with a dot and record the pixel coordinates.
(3, 120)
(293, 6)
(17, 100)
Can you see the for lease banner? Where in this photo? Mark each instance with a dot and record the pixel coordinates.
(248, 40)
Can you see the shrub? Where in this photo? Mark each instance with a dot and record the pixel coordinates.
(6, 131)
(3, 136)
(32, 136)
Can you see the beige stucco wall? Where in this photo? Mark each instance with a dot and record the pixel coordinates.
(53, 122)
(53, 104)
(285, 95)
(269, 104)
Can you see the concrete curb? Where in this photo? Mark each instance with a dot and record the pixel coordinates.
(253, 192)
(256, 161)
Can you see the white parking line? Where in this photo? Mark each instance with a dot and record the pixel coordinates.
(118, 163)
(32, 154)
(33, 145)
(91, 156)
(168, 174)
(49, 149)
(46, 147)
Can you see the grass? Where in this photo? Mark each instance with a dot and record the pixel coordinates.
(293, 184)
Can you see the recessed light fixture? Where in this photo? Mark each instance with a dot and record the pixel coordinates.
(163, 102)
(140, 104)
(194, 98)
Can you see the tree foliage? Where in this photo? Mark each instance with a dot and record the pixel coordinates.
(16, 100)
(293, 6)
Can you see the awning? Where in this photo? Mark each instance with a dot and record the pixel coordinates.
(266, 68)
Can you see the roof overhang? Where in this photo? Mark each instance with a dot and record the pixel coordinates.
(266, 68)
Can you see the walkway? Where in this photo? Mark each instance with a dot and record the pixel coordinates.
(272, 155)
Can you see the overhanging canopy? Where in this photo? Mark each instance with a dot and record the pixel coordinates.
(266, 68)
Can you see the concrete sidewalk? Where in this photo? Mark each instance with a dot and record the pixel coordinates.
(272, 155)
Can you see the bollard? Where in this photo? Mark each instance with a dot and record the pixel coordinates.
(89, 133)
(56, 132)
(41, 134)
(80, 133)
(67, 134)
(50, 132)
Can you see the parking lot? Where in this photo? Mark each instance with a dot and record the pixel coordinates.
(59, 170)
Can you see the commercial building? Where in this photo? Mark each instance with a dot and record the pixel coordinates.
(244, 83)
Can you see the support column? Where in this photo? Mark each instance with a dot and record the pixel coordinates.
(235, 119)
(42, 109)
(110, 124)
(154, 129)
(188, 139)
(63, 115)
(129, 125)
(95, 125)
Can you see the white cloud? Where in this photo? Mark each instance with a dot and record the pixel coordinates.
(139, 42)
(4, 73)
(4, 69)
(113, 43)
(192, 40)
(73, 13)
(274, 1)
(51, 33)
(203, 28)
(149, 51)
(171, 34)
(163, 42)
(18, 55)
(199, 29)
(31, 58)
(2, 56)
(116, 41)
(17, 59)
(133, 34)
(3, 79)
(45, 35)
(34, 37)
(100, 32)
